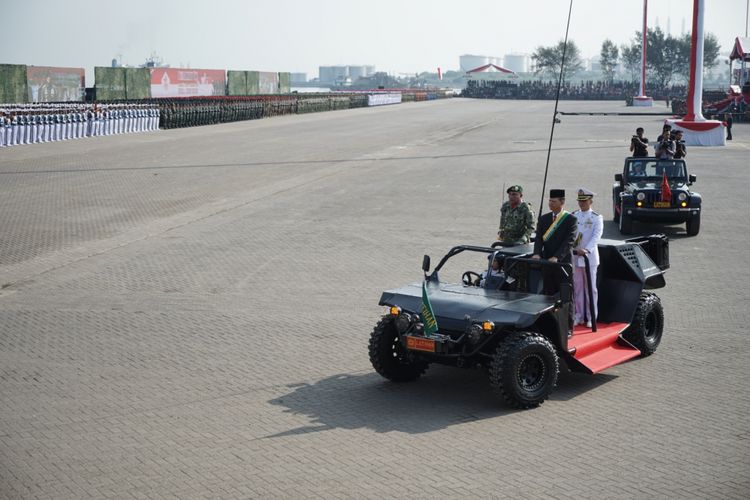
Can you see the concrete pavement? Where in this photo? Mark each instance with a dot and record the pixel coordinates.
(185, 314)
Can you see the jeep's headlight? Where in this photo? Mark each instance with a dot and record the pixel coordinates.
(403, 322)
(640, 196)
(682, 196)
(475, 333)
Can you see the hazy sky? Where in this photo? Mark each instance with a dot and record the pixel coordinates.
(397, 36)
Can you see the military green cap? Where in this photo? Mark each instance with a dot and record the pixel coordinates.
(515, 188)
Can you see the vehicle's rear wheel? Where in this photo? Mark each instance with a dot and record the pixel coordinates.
(646, 330)
(524, 369)
(693, 225)
(626, 222)
(389, 358)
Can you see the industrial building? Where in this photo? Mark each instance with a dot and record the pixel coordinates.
(470, 61)
(339, 75)
(298, 77)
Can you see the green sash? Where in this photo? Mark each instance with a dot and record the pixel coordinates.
(553, 227)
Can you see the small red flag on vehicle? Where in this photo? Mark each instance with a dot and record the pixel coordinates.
(666, 192)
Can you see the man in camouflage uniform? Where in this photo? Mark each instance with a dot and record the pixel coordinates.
(516, 218)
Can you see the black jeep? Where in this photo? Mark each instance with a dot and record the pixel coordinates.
(639, 194)
(508, 327)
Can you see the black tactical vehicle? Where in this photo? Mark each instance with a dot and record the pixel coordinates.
(638, 194)
(507, 326)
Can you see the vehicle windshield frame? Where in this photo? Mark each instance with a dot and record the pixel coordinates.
(656, 167)
(463, 248)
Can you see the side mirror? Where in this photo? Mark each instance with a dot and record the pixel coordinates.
(618, 177)
(692, 178)
(426, 263)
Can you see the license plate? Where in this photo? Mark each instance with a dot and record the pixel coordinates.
(420, 344)
(662, 204)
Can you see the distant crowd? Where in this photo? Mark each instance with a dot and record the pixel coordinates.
(590, 90)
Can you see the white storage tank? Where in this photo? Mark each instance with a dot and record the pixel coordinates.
(517, 62)
(470, 61)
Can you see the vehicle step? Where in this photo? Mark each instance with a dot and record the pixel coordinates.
(602, 349)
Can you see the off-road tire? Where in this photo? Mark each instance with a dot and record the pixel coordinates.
(646, 330)
(626, 222)
(389, 358)
(693, 225)
(524, 369)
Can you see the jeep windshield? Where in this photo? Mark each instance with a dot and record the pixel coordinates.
(653, 170)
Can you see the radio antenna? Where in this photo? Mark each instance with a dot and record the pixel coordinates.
(554, 115)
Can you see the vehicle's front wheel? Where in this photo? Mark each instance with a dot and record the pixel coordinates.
(693, 225)
(648, 324)
(389, 358)
(524, 369)
(626, 222)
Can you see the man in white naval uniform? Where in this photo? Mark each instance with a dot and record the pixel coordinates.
(590, 227)
(14, 128)
(2, 128)
(58, 125)
(65, 117)
(44, 135)
(34, 127)
(23, 128)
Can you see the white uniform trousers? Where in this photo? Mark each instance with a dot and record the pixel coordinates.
(581, 293)
(14, 134)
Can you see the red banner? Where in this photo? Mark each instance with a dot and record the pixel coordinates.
(181, 82)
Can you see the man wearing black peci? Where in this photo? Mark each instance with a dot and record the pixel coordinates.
(555, 235)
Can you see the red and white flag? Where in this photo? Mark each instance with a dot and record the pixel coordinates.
(666, 192)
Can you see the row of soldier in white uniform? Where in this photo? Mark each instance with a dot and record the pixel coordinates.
(41, 123)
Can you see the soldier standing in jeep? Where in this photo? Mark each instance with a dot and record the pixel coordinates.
(516, 218)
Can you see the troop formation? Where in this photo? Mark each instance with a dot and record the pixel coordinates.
(668, 145)
(587, 91)
(562, 236)
(33, 123)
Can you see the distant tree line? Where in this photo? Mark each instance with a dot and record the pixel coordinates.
(667, 58)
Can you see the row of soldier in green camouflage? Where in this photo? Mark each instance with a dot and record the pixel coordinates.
(177, 113)
(190, 112)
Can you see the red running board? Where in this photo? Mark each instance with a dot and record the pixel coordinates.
(602, 349)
